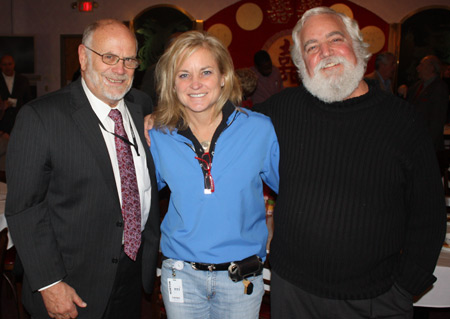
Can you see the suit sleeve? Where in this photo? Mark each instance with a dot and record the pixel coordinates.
(28, 170)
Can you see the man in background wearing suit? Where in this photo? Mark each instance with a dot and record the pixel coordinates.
(14, 87)
(385, 64)
(82, 202)
(429, 96)
(14, 92)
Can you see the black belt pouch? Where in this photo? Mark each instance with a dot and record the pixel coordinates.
(250, 266)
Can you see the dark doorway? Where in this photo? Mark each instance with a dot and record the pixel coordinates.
(153, 28)
(424, 33)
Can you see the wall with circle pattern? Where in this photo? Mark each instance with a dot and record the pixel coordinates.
(249, 26)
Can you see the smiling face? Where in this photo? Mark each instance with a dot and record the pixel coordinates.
(109, 83)
(329, 67)
(324, 37)
(198, 83)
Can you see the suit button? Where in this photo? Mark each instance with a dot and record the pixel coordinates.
(115, 260)
(119, 224)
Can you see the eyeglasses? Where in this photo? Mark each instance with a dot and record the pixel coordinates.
(206, 165)
(112, 59)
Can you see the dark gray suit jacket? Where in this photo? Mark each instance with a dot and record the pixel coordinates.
(431, 103)
(62, 208)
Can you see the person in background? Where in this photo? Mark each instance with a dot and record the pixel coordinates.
(360, 214)
(430, 97)
(14, 92)
(269, 78)
(248, 80)
(385, 65)
(214, 157)
(148, 84)
(82, 204)
(14, 87)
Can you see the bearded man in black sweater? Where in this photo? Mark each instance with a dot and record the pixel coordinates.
(360, 216)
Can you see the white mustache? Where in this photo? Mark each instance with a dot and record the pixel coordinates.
(329, 62)
(116, 77)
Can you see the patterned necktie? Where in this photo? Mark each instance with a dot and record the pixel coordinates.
(131, 206)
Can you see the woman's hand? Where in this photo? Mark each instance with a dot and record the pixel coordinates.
(148, 125)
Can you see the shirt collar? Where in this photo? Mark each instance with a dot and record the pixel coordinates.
(100, 108)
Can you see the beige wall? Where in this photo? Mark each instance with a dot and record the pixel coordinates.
(48, 19)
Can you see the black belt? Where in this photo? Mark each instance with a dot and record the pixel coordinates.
(210, 267)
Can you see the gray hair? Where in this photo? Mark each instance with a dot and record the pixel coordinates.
(383, 58)
(359, 46)
(91, 28)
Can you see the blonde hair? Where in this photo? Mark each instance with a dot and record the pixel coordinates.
(170, 113)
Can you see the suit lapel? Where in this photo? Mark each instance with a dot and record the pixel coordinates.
(88, 123)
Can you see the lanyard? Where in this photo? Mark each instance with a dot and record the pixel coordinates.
(134, 144)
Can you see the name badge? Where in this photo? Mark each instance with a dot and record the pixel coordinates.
(175, 287)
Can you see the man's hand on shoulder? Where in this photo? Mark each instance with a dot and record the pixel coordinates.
(61, 301)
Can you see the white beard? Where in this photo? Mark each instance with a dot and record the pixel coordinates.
(333, 87)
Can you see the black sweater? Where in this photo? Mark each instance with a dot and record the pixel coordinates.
(360, 203)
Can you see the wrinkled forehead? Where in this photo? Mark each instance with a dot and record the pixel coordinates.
(322, 26)
(114, 35)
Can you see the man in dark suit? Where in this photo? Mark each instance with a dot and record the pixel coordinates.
(14, 87)
(14, 92)
(81, 188)
(429, 96)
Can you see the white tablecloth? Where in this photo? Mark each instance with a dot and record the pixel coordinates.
(2, 212)
(439, 295)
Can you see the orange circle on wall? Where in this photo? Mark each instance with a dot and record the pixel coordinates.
(222, 32)
(249, 16)
(342, 8)
(375, 37)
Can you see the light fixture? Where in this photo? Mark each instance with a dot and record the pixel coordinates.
(84, 6)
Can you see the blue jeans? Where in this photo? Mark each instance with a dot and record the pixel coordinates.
(210, 294)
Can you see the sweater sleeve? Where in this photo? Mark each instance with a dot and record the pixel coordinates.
(426, 222)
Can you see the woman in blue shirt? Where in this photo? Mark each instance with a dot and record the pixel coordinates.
(214, 158)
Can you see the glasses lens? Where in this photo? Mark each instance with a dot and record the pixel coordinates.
(110, 59)
(131, 63)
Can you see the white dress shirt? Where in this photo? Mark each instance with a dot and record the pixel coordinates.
(102, 110)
